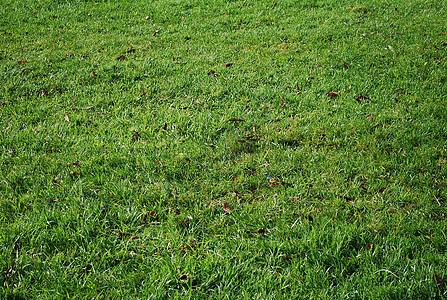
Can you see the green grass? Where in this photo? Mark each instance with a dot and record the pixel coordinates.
(127, 125)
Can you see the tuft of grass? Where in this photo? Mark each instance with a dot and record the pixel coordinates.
(232, 149)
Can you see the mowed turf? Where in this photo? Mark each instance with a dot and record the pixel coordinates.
(223, 149)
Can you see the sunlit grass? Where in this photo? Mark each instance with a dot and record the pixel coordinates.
(223, 150)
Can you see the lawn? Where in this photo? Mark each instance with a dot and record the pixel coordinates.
(223, 149)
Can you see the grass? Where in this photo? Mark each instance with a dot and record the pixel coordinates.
(232, 149)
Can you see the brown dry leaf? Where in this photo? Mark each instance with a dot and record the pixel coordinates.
(273, 183)
(52, 150)
(369, 117)
(332, 95)
(237, 195)
(369, 246)
(283, 101)
(67, 118)
(286, 258)
(228, 65)
(360, 98)
(213, 73)
(184, 277)
(363, 187)
(236, 120)
(438, 280)
(261, 231)
(187, 247)
(226, 207)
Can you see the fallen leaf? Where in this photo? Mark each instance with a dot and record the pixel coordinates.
(438, 280)
(52, 150)
(9, 270)
(22, 61)
(121, 57)
(369, 246)
(241, 141)
(146, 215)
(332, 95)
(237, 195)
(261, 231)
(369, 117)
(67, 118)
(184, 277)
(228, 65)
(226, 207)
(136, 135)
(94, 74)
(85, 108)
(281, 183)
(130, 50)
(283, 101)
(213, 73)
(347, 198)
(286, 258)
(165, 126)
(187, 247)
(360, 98)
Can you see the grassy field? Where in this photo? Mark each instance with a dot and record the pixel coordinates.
(223, 149)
